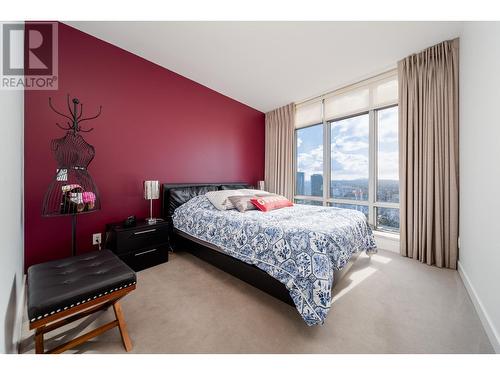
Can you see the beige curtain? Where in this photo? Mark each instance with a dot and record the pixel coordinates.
(280, 125)
(428, 135)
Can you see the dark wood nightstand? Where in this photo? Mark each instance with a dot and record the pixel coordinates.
(141, 246)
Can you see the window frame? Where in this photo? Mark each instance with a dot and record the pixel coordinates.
(372, 203)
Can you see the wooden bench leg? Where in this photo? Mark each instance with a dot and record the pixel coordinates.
(39, 341)
(62, 318)
(127, 343)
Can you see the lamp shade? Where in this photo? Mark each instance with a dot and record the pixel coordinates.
(151, 190)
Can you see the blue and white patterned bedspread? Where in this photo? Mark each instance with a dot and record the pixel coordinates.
(300, 246)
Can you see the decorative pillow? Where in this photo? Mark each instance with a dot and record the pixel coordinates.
(272, 202)
(219, 198)
(242, 202)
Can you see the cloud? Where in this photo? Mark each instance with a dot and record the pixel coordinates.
(350, 150)
(348, 166)
(388, 153)
(349, 153)
(344, 144)
(310, 162)
(353, 127)
(388, 125)
(388, 165)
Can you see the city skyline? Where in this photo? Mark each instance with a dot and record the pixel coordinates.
(387, 190)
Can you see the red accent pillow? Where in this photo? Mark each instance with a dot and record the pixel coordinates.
(271, 202)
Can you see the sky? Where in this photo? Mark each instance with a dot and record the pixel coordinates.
(388, 148)
(349, 147)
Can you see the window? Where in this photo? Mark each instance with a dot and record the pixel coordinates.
(388, 154)
(387, 168)
(309, 176)
(349, 156)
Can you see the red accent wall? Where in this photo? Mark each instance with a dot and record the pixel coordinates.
(155, 124)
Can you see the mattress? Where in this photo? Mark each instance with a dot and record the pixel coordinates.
(300, 246)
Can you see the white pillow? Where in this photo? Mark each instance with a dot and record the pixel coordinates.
(253, 191)
(219, 198)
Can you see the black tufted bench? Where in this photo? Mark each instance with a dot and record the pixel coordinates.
(66, 290)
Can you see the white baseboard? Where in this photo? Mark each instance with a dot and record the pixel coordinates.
(18, 325)
(488, 325)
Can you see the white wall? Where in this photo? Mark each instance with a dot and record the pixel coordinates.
(11, 217)
(479, 258)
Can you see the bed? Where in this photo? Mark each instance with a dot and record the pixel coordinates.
(295, 254)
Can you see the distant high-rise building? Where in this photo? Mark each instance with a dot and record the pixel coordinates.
(317, 185)
(300, 183)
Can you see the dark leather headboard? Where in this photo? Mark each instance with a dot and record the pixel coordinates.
(173, 195)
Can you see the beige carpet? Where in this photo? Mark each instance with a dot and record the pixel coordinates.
(385, 304)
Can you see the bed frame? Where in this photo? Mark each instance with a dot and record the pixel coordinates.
(174, 195)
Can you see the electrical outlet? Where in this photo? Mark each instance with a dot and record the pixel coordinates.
(96, 239)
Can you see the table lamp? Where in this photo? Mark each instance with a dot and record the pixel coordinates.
(151, 191)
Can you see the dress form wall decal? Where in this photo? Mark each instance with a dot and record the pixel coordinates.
(72, 190)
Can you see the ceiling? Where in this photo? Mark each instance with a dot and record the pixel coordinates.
(269, 64)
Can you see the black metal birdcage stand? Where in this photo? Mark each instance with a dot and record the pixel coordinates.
(72, 191)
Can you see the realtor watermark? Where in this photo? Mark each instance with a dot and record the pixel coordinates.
(29, 56)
